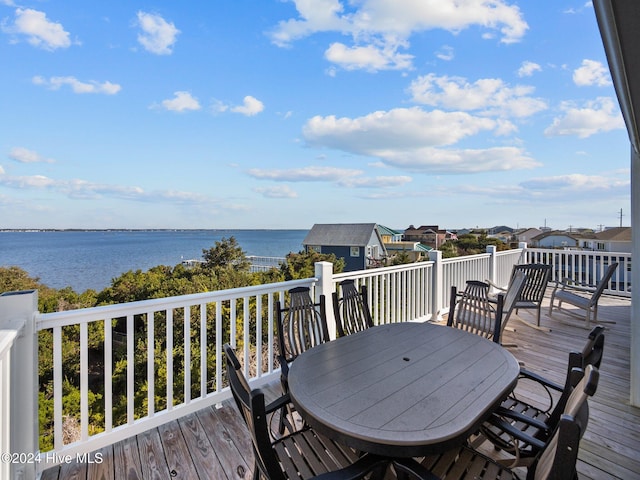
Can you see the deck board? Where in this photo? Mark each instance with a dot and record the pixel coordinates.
(213, 443)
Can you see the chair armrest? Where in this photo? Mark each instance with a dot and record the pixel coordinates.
(496, 286)
(516, 433)
(413, 468)
(527, 374)
(356, 470)
(278, 403)
(519, 417)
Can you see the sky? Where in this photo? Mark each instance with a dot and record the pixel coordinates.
(286, 113)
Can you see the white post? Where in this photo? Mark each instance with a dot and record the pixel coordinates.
(18, 312)
(325, 286)
(437, 287)
(635, 280)
(493, 263)
(523, 254)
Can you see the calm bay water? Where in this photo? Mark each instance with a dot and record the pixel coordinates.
(91, 259)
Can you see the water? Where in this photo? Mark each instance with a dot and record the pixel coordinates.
(91, 259)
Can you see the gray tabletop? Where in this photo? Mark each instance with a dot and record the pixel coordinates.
(402, 390)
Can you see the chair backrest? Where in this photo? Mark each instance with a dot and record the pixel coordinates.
(594, 348)
(603, 283)
(473, 312)
(515, 291)
(351, 311)
(578, 361)
(302, 325)
(251, 405)
(558, 459)
(538, 275)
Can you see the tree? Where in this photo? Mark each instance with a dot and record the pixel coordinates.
(301, 265)
(226, 254)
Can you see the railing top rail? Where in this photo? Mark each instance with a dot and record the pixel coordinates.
(73, 317)
(382, 270)
(465, 258)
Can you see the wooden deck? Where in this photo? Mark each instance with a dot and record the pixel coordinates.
(214, 444)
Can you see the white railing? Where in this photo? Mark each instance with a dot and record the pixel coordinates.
(400, 293)
(183, 337)
(7, 341)
(585, 267)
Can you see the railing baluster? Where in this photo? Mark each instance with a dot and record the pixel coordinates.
(151, 390)
(203, 350)
(57, 388)
(84, 382)
(169, 342)
(108, 375)
(187, 354)
(131, 388)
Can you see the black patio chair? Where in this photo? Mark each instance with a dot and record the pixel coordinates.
(302, 454)
(301, 326)
(351, 311)
(540, 421)
(474, 312)
(556, 459)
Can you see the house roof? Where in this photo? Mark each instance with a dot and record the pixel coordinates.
(558, 233)
(617, 234)
(340, 234)
(387, 231)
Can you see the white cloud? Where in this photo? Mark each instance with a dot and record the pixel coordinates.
(251, 106)
(158, 36)
(597, 116)
(375, 182)
(489, 96)
(388, 24)
(83, 189)
(55, 83)
(181, 102)
(305, 174)
(39, 30)
(460, 161)
(278, 191)
(527, 69)
(445, 53)
(369, 57)
(591, 73)
(24, 155)
(400, 128)
(413, 139)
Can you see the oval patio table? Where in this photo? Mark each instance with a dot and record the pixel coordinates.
(402, 390)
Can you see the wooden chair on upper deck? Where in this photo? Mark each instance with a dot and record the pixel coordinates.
(301, 325)
(351, 311)
(538, 275)
(585, 298)
(302, 454)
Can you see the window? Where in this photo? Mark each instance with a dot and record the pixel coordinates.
(355, 251)
(315, 248)
(599, 246)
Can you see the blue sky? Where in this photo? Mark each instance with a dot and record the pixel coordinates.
(286, 113)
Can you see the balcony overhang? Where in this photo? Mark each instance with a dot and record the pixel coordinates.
(618, 21)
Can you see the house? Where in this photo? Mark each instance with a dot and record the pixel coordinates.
(616, 239)
(389, 235)
(359, 244)
(556, 239)
(415, 250)
(429, 235)
(527, 234)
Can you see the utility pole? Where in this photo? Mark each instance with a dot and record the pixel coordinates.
(621, 217)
